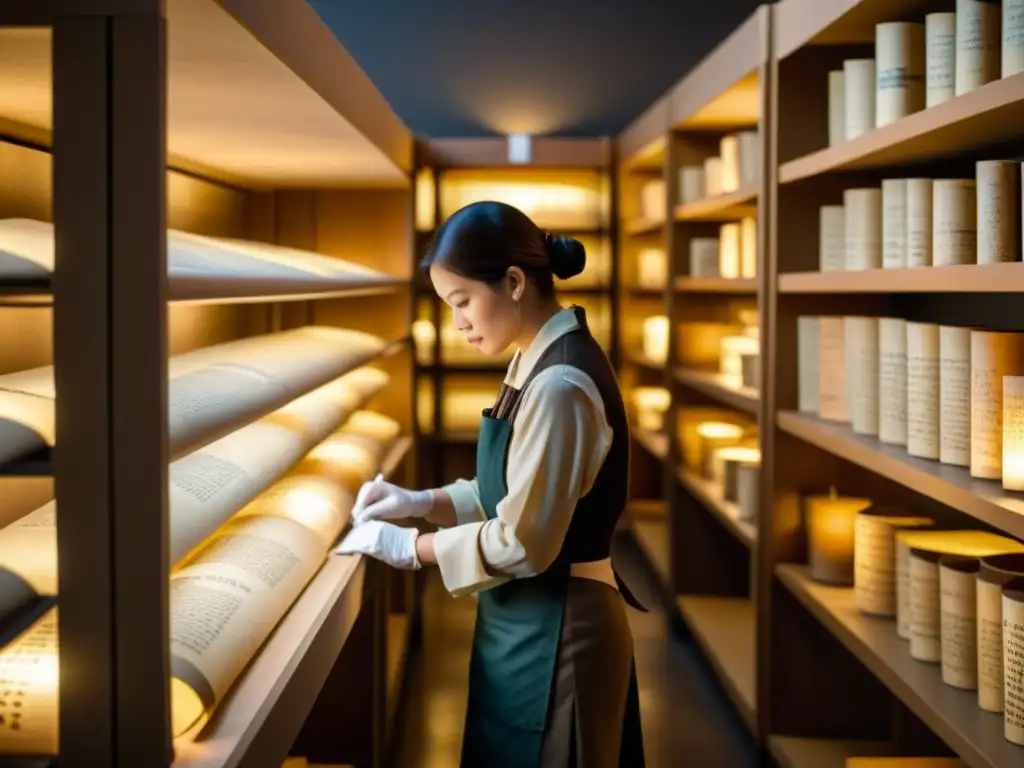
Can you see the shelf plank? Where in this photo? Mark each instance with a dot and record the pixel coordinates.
(728, 285)
(720, 387)
(984, 500)
(792, 752)
(399, 628)
(724, 627)
(710, 495)
(655, 443)
(652, 536)
(953, 714)
(963, 278)
(734, 205)
(642, 226)
(637, 357)
(984, 117)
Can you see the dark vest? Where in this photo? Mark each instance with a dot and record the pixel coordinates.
(593, 522)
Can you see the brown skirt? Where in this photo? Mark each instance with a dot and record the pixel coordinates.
(591, 680)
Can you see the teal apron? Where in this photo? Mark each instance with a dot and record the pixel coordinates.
(516, 644)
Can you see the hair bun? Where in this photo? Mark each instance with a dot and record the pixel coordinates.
(567, 255)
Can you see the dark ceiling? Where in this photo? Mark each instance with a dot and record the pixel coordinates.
(455, 68)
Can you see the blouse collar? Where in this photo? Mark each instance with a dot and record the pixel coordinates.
(562, 322)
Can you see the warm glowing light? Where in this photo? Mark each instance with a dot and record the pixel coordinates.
(651, 404)
(1013, 433)
(731, 356)
(655, 338)
(652, 268)
(831, 523)
(729, 251)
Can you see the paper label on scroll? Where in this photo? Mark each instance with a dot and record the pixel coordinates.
(831, 369)
(924, 610)
(940, 66)
(923, 390)
(28, 690)
(919, 222)
(989, 598)
(955, 395)
(954, 222)
(958, 629)
(862, 372)
(993, 356)
(807, 363)
(1013, 670)
(892, 381)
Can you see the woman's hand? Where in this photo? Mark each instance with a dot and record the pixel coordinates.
(387, 542)
(380, 500)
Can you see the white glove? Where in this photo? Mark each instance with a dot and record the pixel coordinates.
(387, 542)
(380, 500)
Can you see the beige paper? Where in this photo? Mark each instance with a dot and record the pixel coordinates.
(1013, 660)
(977, 44)
(919, 222)
(892, 380)
(832, 396)
(28, 690)
(998, 198)
(874, 557)
(940, 58)
(995, 571)
(954, 222)
(993, 356)
(955, 396)
(958, 624)
(894, 223)
(863, 228)
(807, 363)
(923, 390)
(861, 361)
(899, 50)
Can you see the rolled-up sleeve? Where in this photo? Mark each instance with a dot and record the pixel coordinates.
(465, 496)
(559, 442)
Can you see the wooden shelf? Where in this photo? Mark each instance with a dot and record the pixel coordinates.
(984, 117)
(638, 358)
(734, 205)
(839, 22)
(724, 627)
(652, 536)
(719, 387)
(729, 285)
(953, 714)
(984, 500)
(710, 495)
(966, 278)
(641, 226)
(399, 629)
(655, 443)
(792, 752)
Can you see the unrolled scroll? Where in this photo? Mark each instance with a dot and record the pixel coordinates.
(955, 395)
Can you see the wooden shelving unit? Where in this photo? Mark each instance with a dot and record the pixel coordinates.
(818, 682)
(293, 217)
(454, 381)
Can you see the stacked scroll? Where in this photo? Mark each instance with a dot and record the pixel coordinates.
(199, 268)
(271, 444)
(950, 394)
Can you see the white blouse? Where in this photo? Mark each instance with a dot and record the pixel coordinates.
(560, 438)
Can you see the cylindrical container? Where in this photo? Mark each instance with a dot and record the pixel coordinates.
(751, 363)
(924, 605)
(832, 238)
(894, 223)
(862, 372)
(691, 183)
(993, 356)
(713, 176)
(958, 621)
(954, 222)
(919, 222)
(998, 209)
(832, 405)
(836, 107)
(977, 44)
(892, 380)
(748, 247)
(748, 491)
(923, 390)
(1013, 661)
(830, 532)
(807, 363)
(704, 257)
(874, 556)
(859, 96)
(731, 459)
(995, 571)
(863, 228)
(955, 395)
(1013, 433)
(1013, 38)
(713, 435)
(940, 58)
(899, 51)
(729, 250)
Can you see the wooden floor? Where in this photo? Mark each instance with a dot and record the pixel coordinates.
(688, 722)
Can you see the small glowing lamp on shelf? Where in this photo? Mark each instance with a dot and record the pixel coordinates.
(725, 465)
(655, 335)
(729, 251)
(651, 404)
(831, 523)
(651, 268)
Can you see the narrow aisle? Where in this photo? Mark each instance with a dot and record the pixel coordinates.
(687, 721)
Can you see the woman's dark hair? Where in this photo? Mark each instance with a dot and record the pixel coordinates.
(482, 240)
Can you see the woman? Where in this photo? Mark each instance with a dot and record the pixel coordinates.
(551, 677)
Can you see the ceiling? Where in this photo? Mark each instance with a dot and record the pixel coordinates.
(459, 68)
